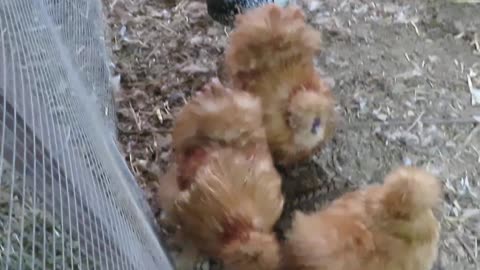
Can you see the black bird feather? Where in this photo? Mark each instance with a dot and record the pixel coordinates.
(224, 11)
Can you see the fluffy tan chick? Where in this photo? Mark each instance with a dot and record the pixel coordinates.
(215, 117)
(270, 54)
(389, 226)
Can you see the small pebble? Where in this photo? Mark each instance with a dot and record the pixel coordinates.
(381, 116)
(407, 161)
(176, 97)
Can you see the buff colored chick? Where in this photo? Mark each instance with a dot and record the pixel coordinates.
(230, 210)
(219, 136)
(216, 117)
(381, 227)
(270, 54)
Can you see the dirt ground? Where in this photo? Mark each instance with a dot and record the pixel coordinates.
(399, 70)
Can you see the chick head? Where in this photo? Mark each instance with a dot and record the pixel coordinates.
(310, 116)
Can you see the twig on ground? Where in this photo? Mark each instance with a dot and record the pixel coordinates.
(467, 249)
(429, 121)
(416, 121)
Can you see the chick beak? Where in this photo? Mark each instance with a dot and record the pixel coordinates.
(315, 125)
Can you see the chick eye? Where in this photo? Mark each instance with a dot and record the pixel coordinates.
(316, 125)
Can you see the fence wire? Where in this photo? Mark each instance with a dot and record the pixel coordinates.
(67, 199)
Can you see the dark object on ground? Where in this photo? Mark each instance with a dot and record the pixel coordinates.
(224, 11)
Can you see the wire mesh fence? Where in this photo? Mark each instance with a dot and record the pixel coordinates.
(67, 199)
